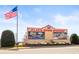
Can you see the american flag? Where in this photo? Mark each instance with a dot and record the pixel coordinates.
(11, 13)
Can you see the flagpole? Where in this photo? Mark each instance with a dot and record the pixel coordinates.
(17, 29)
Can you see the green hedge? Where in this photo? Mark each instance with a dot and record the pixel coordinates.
(7, 39)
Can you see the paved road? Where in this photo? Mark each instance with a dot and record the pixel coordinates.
(44, 50)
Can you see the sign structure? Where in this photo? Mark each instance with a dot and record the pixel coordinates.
(39, 33)
(47, 33)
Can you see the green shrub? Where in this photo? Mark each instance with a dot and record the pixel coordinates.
(7, 39)
(74, 39)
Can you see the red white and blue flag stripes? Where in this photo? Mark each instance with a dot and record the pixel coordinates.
(11, 14)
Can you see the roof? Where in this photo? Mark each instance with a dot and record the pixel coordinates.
(45, 28)
(59, 30)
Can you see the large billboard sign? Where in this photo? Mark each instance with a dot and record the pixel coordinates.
(60, 35)
(36, 35)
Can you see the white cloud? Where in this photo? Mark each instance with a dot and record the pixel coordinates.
(71, 22)
(65, 19)
(60, 18)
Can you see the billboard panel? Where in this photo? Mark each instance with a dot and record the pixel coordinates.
(60, 35)
(36, 35)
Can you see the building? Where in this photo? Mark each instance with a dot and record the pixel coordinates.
(46, 35)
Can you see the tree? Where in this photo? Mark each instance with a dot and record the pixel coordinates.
(7, 39)
(74, 39)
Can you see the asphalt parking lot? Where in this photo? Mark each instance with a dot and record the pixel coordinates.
(68, 49)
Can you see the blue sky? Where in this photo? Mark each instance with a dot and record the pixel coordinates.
(59, 16)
